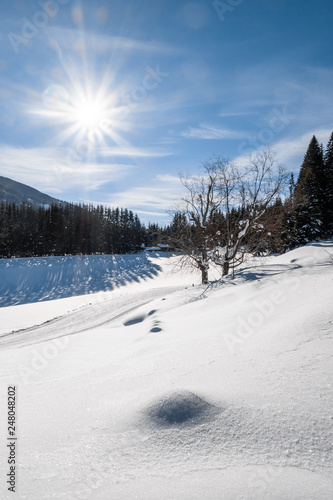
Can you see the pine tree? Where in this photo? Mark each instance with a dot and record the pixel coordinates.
(289, 234)
(328, 159)
(309, 195)
(292, 186)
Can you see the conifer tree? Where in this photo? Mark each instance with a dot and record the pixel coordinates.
(328, 160)
(309, 195)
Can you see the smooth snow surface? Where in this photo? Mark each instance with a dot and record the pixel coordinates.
(156, 389)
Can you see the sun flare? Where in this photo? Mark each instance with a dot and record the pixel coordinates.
(86, 113)
(89, 115)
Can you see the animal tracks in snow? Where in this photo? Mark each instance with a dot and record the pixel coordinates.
(154, 322)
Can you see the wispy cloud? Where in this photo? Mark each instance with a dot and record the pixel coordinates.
(51, 169)
(171, 179)
(210, 132)
(131, 152)
(158, 197)
(226, 114)
(290, 152)
(101, 43)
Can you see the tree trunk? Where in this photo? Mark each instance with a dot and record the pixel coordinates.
(226, 266)
(204, 275)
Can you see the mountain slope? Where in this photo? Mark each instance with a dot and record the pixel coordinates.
(15, 192)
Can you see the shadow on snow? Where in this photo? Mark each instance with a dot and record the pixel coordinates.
(28, 280)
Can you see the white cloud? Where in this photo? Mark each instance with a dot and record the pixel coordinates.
(161, 195)
(48, 170)
(168, 178)
(153, 196)
(211, 132)
(290, 152)
(225, 114)
(131, 152)
(102, 43)
(53, 170)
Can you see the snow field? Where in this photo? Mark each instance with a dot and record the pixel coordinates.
(217, 393)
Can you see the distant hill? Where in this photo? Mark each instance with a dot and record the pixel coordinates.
(16, 192)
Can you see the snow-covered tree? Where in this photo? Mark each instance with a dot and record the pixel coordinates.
(223, 205)
(199, 205)
(255, 186)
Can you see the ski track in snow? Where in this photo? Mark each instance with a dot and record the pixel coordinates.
(93, 316)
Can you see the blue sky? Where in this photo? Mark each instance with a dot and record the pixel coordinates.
(108, 101)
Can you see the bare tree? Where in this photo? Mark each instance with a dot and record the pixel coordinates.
(223, 205)
(200, 203)
(256, 186)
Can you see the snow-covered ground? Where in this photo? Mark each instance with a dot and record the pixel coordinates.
(151, 388)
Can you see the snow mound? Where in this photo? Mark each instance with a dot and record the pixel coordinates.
(180, 408)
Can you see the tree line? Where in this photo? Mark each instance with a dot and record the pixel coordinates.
(225, 212)
(68, 229)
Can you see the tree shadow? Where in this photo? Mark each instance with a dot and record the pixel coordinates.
(252, 275)
(23, 281)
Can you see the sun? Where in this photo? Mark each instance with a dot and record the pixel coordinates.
(84, 112)
(88, 115)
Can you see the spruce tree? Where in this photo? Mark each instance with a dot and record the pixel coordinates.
(328, 160)
(309, 195)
